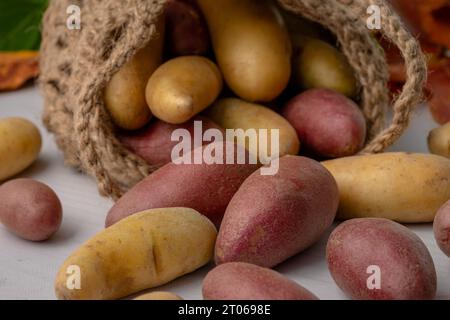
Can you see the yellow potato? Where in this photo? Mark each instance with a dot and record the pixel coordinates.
(408, 188)
(320, 65)
(183, 87)
(158, 295)
(124, 95)
(20, 144)
(237, 114)
(143, 251)
(439, 141)
(252, 46)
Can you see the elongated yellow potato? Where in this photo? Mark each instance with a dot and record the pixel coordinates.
(183, 87)
(439, 141)
(407, 188)
(124, 95)
(234, 113)
(252, 46)
(143, 251)
(20, 144)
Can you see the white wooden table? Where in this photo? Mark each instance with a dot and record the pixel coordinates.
(27, 269)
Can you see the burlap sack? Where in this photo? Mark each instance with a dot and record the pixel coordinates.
(77, 64)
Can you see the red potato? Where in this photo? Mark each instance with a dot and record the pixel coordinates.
(30, 209)
(186, 30)
(154, 144)
(272, 218)
(441, 228)
(244, 281)
(329, 124)
(207, 188)
(378, 259)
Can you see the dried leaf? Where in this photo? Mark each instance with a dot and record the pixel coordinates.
(16, 68)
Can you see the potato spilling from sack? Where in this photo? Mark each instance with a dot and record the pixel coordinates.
(207, 188)
(252, 46)
(273, 217)
(407, 188)
(321, 66)
(124, 95)
(237, 114)
(328, 124)
(143, 251)
(183, 87)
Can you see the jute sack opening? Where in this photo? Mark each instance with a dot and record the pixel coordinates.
(76, 65)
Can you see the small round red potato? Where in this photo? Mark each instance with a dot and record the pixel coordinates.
(30, 209)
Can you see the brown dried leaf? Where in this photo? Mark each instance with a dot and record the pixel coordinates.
(16, 68)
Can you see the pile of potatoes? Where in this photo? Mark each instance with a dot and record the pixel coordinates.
(237, 65)
(240, 65)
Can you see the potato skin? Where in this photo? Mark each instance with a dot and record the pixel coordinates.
(406, 266)
(272, 218)
(244, 281)
(30, 209)
(20, 144)
(158, 295)
(439, 141)
(207, 188)
(231, 113)
(441, 228)
(320, 65)
(183, 87)
(328, 124)
(407, 188)
(252, 46)
(143, 251)
(153, 143)
(124, 95)
(186, 30)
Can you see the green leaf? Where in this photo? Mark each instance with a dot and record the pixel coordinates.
(20, 22)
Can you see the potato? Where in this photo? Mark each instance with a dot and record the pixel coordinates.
(186, 30)
(30, 209)
(439, 141)
(407, 188)
(207, 188)
(441, 228)
(143, 251)
(234, 113)
(272, 218)
(20, 144)
(372, 258)
(328, 124)
(182, 88)
(154, 143)
(320, 65)
(244, 281)
(124, 95)
(252, 46)
(158, 295)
